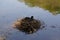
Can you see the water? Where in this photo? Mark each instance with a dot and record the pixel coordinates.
(11, 10)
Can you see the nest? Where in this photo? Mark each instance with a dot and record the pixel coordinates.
(28, 25)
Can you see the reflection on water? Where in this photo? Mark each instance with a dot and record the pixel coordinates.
(51, 5)
(11, 10)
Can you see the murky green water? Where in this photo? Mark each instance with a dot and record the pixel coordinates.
(11, 10)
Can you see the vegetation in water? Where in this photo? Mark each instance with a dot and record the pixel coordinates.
(28, 25)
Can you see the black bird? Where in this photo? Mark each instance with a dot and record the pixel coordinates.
(29, 18)
(32, 17)
(26, 18)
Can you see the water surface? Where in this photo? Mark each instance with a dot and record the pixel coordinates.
(11, 10)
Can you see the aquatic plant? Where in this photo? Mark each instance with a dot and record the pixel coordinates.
(28, 25)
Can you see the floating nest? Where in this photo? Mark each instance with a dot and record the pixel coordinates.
(28, 25)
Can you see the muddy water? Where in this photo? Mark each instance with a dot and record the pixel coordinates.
(11, 10)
